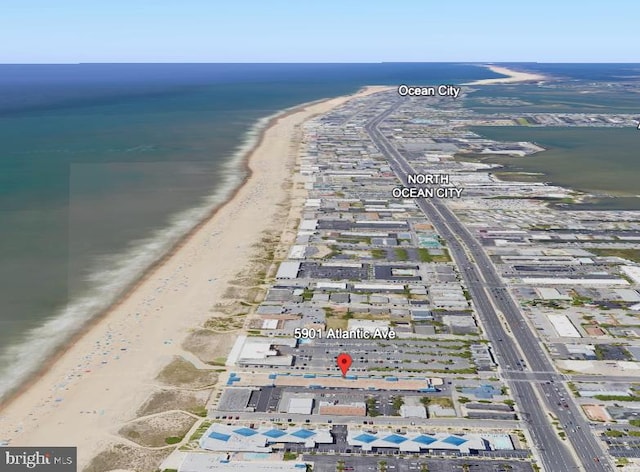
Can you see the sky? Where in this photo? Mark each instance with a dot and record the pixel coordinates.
(63, 31)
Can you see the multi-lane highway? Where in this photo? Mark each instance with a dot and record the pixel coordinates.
(518, 350)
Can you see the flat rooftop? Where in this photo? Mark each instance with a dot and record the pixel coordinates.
(204, 462)
(225, 438)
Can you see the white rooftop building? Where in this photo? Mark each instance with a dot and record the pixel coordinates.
(308, 225)
(252, 350)
(205, 462)
(551, 294)
(378, 287)
(300, 406)
(632, 272)
(368, 326)
(576, 281)
(331, 286)
(297, 251)
(407, 411)
(288, 270)
(587, 350)
(564, 326)
(225, 438)
(414, 441)
(628, 295)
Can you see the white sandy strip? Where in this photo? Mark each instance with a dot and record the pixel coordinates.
(513, 76)
(99, 383)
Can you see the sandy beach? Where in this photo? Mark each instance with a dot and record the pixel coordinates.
(513, 76)
(101, 381)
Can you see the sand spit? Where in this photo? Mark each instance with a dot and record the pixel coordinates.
(513, 76)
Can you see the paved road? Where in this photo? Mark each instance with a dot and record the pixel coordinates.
(516, 345)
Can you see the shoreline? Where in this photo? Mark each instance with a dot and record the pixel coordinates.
(513, 76)
(44, 410)
(244, 166)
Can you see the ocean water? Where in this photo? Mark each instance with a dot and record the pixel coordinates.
(602, 72)
(104, 167)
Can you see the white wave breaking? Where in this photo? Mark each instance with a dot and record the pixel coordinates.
(116, 274)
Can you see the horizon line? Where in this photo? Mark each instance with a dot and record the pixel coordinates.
(303, 63)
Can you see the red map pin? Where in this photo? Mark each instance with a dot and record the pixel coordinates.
(344, 362)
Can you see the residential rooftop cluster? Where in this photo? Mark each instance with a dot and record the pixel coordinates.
(426, 378)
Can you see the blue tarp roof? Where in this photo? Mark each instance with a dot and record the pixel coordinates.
(395, 439)
(219, 436)
(365, 438)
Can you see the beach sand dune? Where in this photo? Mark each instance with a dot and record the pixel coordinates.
(100, 382)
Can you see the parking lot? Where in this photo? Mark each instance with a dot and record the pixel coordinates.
(381, 356)
(398, 464)
(312, 270)
(628, 446)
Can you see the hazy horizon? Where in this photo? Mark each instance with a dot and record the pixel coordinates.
(248, 31)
